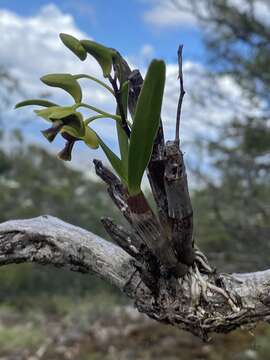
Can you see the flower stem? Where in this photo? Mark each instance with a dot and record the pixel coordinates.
(84, 76)
(99, 111)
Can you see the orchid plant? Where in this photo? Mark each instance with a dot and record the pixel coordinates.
(135, 133)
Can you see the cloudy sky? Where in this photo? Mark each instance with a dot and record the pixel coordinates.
(139, 29)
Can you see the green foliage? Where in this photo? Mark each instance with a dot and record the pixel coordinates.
(146, 123)
(41, 184)
(18, 337)
(256, 137)
(68, 122)
(114, 160)
(236, 206)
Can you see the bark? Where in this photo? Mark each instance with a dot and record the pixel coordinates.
(48, 240)
(242, 299)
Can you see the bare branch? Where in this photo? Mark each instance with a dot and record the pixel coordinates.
(48, 240)
(225, 302)
(182, 93)
(121, 236)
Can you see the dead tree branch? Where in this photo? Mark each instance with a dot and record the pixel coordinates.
(48, 240)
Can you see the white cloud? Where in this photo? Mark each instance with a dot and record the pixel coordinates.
(147, 51)
(178, 13)
(164, 13)
(32, 49)
(204, 111)
(142, 58)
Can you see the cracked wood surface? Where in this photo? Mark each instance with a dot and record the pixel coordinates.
(48, 240)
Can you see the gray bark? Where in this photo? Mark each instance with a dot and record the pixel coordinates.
(229, 301)
(48, 240)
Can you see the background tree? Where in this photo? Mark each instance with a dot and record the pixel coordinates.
(236, 35)
(36, 192)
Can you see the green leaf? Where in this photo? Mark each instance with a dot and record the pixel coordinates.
(38, 102)
(90, 138)
(102, 54)
(114, 161)
(74, 45)
(66, 82)
(55, 112)
(146, 123)
(123, 145)
(121, 134)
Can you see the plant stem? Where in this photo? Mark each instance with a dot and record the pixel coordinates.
(99, 111)
(182, 93)
(117, 95)
(84, 76)
(92, 118)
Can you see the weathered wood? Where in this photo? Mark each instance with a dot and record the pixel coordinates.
(179, 204)
(116, 189)
(148, 236)
(148, 228)
(122, 237)
(155, 173)
(135, 80)
(47, 240)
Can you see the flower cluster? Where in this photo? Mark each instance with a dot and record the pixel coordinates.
(135, 137)
(66, 121)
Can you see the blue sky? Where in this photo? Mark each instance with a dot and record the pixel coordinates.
(140, 30)
(121, 24)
